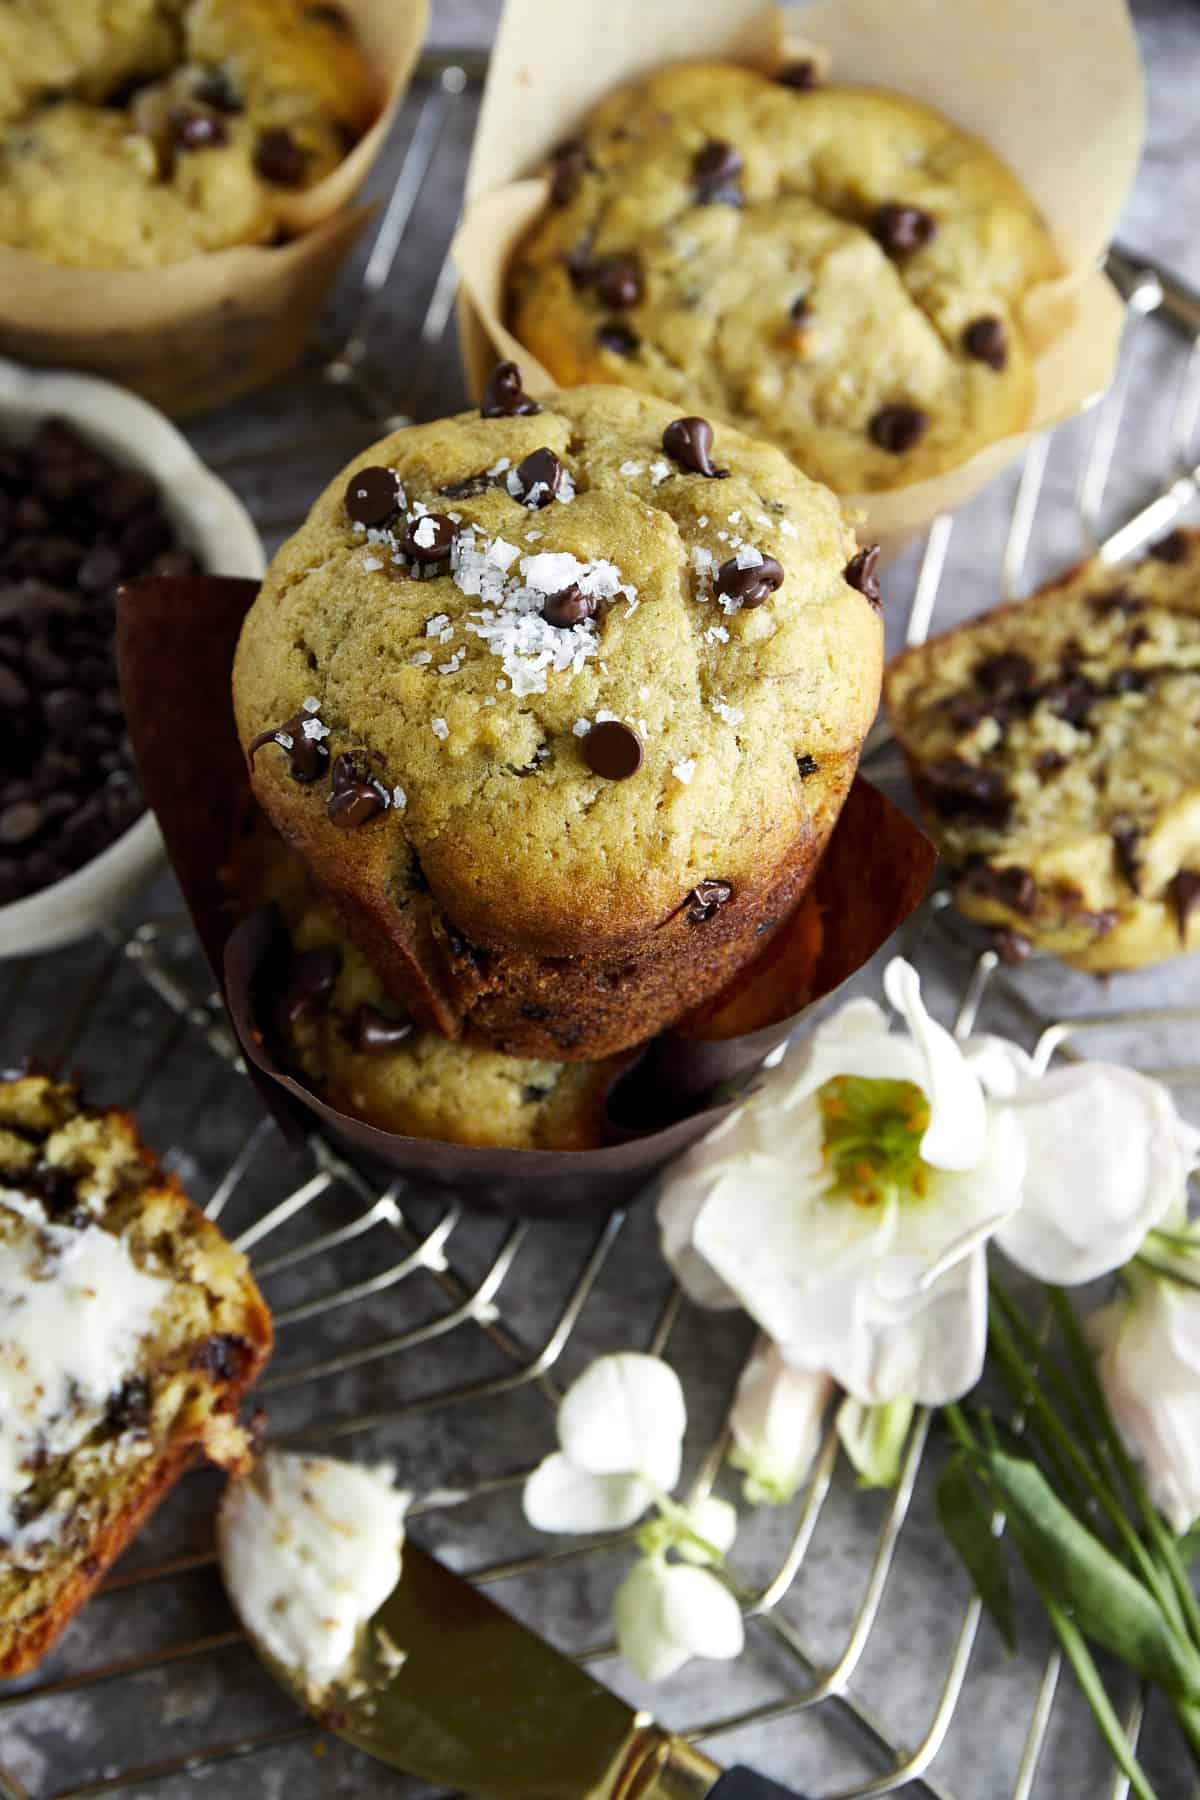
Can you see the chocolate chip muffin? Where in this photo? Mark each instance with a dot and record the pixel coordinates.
(129, 1329)
(1055, 746)
(837, 269)
(140, 134)
(343, 1036)
(559, 705)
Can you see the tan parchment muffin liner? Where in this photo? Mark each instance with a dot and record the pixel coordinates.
(195, 333)
(176, 640)
(1054, 86)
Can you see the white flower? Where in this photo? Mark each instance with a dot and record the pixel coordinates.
(1108, 1158)
(620, 1428)
(1148, 1347)
(847, 1203)
(667, 1612)
(776, 1424)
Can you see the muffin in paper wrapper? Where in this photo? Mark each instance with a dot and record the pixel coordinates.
(195, 333)
(176, 639)
(1056, 90)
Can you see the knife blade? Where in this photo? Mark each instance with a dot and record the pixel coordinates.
(481, 1704)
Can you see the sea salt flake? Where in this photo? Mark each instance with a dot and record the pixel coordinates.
(311, 704)
(371, 563)
(502, 553)
(748, 557)
(435, 626)
(788, 529)
(684, 770)
(604, 717)
(534, 537)
(735, 518)
(447, 635)
(581, 727)
(284, 739)
(314, 729)
(440, 729)
(702, 521)
(631, 468)
(425, 534)
(399, 799)
(732, 715)
(659, 471)
(420, 657)
(498, 468)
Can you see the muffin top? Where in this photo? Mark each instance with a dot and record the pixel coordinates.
(837, 269)
(541, 664)
(135, 133)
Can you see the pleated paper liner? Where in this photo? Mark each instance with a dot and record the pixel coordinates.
(199, 332)
(176, 642)
(1055, 89)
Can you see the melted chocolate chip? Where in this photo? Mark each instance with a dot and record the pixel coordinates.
(690, 442)
(706, 899)
(987, 341)
(612, 750)
(215, 88)
(1173, 548)
(800, 311)
(128, 1408)
(959, 788)
(307, 756)
(373, 495)
(715, 171)
(806, 765)
(468, 487)
(568, 607)
(1128, 681)
(503, 395)
(1009, 946)
(372, 1031)
(1126, 839)
(279, 159)
(899, 228)
(1071, 699)
(194, 129)
(860, 573)
(1013, 887)
(1184, 892)
(569, 166)
(752, 585)
(225, 1356)
(1007, 672)
(531, 1096)
(1049, 762)
(1117, 600)
(538, 478)
(429, 538)
(898, 428)
(313, 979)
(618, 280)
(354, 804)
(618, 338)
(801, 75)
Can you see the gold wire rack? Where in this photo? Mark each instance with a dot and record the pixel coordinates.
(441, 1340)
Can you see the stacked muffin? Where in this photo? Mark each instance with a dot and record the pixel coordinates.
(558, 705)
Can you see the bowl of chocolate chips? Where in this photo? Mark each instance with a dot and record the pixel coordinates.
(96, 489)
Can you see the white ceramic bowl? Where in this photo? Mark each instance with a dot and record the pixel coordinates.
(209, 520)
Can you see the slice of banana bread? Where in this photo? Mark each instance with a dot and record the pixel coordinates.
(129, 1329)
(1055, 747)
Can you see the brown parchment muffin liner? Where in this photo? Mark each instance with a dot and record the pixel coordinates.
(1056, 90)
(176, 640)
(196, 333)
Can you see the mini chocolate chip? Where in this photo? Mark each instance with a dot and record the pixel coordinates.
(715, 171)
(899, 228)
(569, 167)
(752, 585)
(706, 899)
(613, 750)
(1013, 886)
(618, 338)
(279, 159)
(806, 765)
(468, 487)
(372, 1030)
(128, 1408)
(690, 442)
(1173, 548)
(307, 756)
(1126, 839)
(568, 607)
(1007, 672)
(618, 280)
(194, 129)
(898, 428)
(538, 478)
(1071, 699)
(1128, 681)
(503, 396)
(215, 88)
(801, 75)
(987, 341)
(226, 1356)
(1049, 762)
(1184, 891)
(312, 981)
(352, 806)
(958, 787)
(1009, 946)
(860, 573)
(429, 538)
(373, 495)
(800, 311)
(1117, 600)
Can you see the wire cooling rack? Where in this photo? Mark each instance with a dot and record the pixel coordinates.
(440, 1340)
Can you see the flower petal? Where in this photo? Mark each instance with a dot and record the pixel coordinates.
(684, 1193)
(873, 1438)
(625, 1416)
(776, 1423)
(642, 1636)
(700, 1614)
(931, 1348)
(560, 1497)
(1106, 1163)
(716, 1522)
(1149, 1368)
(958, 1115)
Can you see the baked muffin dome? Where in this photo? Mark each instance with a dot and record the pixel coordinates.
(137, 134)
(560, 835)
(837, 269)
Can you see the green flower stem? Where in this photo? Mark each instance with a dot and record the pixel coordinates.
(683, 1530)
(1048, 1373)
(1162, 1539)
(1076, 1651)
(1171, 1270)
